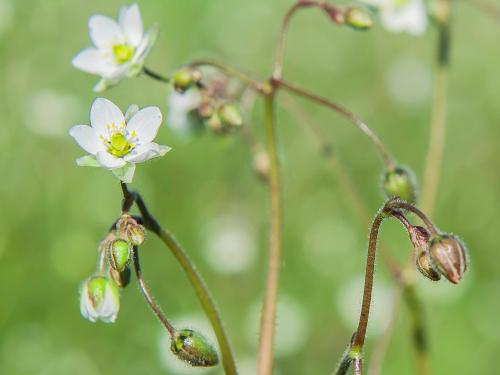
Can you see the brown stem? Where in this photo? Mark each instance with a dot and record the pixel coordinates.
(147, 296)
(355, 120)
(397, 204)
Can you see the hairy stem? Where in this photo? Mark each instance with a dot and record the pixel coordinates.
(156, 76)
(201, 289)
(355, 120)
(267, 324)
(344, 363)
(147, 296)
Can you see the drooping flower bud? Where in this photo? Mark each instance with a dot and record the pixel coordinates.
(357, 18)
(122, 279)
(230, 115)
(127, 227)
(448, 256)
(185, 78)
(193, 348)
(99, 299)
(419, 237)
(119, 254)
(424, 265)
(400, 182)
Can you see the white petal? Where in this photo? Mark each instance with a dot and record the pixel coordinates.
(126, 173)
(108, 310)
(87, 161)
(131, 111)
(105, 32)
(105, 112)
(87, 138)
(411, 18)
(109, 161)
(90, 60)
(131, 23)
(86, 308)
(145, 124)
(146, 152)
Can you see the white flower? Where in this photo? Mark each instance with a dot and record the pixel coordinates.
(119, 47)
(117, 142)
(402, 15)
(181, 106)
(99, 299)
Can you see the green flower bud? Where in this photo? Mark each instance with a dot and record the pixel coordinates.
(448, 256)
(230, 115)
(193, 348)
(358, 18)
(424, 265)
(122, 279)
(185, 78)
(99, 299)
(119, 254)
(400, 182)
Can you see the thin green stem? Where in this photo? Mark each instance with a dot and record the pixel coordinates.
(193, 275)
(147, 296)
(355, 120)
(434, 159)
(156, 76)
(268, 318)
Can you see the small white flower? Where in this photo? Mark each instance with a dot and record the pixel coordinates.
(119, 47)
(117, 142)
(402, 15)
(99, 299)
(181, 107)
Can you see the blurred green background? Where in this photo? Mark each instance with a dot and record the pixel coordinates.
(54, 214)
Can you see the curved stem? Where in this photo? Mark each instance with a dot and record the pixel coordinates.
(386, 157)
(194, 277)
(147, 296)
(155, 76)
(267, 324)
(233, 72)
(395, 204)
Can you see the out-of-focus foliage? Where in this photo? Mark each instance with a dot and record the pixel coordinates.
(54, 214)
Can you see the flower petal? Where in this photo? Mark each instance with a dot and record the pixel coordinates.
(105, 31)
(146, 152)
(87, 161)
(109, 161)
(104, 112)
(131, 111)
(90, 60)
(126, 173)
(131, 23)
(87, 138)
(145, 124)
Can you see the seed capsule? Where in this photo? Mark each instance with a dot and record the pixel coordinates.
(230, 115)
(193, 348)
(448, 256)
(357, 18)
(122, 279)
(119, 256)
(424, 265)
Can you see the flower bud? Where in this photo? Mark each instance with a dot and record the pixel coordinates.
(185, 78)
(122, 279)
(419, 237)
(261, 165)
(400, 182)
(230, 115)
(357, 18)
(193, 348)
(206, 109)
(127, 227)
(424, 265)
(215, 123)
(448, 256)
(119, 254)
(99, 299)
(334, 12)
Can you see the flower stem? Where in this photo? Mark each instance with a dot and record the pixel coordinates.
(344, 363)
(434, 159)
(156, 76)
(386, 157)
(194, 277)
(149, 299)
(267, 325)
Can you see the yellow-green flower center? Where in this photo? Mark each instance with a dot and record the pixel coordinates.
(122, 53)
(118, 145)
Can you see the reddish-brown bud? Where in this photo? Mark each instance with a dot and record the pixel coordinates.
(448, 256)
